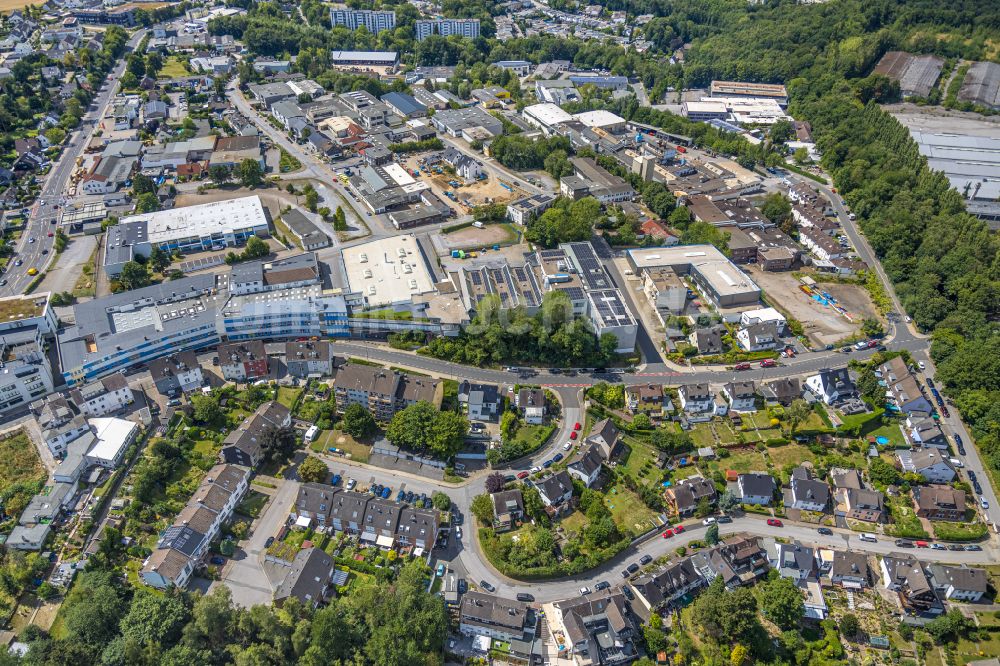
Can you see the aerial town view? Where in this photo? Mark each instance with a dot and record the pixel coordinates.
(515, 332)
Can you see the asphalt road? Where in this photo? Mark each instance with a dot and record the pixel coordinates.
(39, 253)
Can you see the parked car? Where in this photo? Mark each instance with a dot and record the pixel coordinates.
(724, 519)
(603, 585)
(983, 503)
(573, 435)
(440, 569)
(523, 475)
(678, 529)
(584, 590)
(386, 492)
(904, 543)
(216, 560)
(708, 521)
(922, 544)
(825, 531)
(547, 464)
(869, 538)
(973, 547)
(667, 534)
(557, 457)
(335, 480)
(487, 586)
(350, 484)
(937, 546)
(768, 363)
(632, 568)
(741, 366)
(645, 559)
(270, 540)
(567, 446)
(624, 573)
(577, 426)
(536, 469)
(955, 546)
(774, 522)
(524, 596)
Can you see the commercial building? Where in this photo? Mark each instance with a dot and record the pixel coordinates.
(916, 75)
(25, 373)
(603, 303)
(589, 179)
(447, 27)
(215, 225)
(388, 271)
(514, 286)
(112, 438)
(387, 59)
(286, 313)
(456, 121)
(526, 209)
(546, 116)
(714, 275)
(602, 82)
(740, 89)
(310, 236)
(982, 85)
(375, 21)
(601, 119)
(403, 105)
(255, 277)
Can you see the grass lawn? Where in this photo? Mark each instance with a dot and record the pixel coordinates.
(905, 522)
(639, 455)
(976, 650)
(357, 450)
(959, 531)
(794, 454)
(533, 437)
(813, 422)
(744, 461)
(892, 432)
(288, 395)
(702, 435)
(861, 525)
(757, 419)
(173, 68)
(288, 162)
(207, 447)
(449, 400)
(253, 504)
(628, 511)
(574, 522)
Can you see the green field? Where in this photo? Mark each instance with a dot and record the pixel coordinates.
(288, 395)
(21, 468)
(628, 511)
(173, 68)
(358, 451)
(744, 461)
(641, 462)
(905, 522)
(794, 454)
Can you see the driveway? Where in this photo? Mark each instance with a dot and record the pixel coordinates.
(245, 574)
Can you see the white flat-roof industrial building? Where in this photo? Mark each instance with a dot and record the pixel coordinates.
(113, 438)
(198, 228)
(601, 119)
(388, 271)
(545, 116)
(717, 278)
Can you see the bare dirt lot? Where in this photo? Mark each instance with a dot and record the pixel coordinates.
(823, 325)
(471, 237)
(468, 195)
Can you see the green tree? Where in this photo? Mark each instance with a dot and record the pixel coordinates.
(703, 233)
(220, 173)
(133, 276)
(313, 470)
(782, 602)
(312, 198)
(712, 534)
(206, 408)
(849, 625)
(146, 202)
(482, 509)
(882, 473)
(796, 413)
(55, 135)
(154, 618)
(495, 482)
(727, 616)
(801, 156)
(277, 443)
(159, 260)
(777, 208)
(358, 421)
(256, 248)
(421, 427)
(250, 173)
(129, 81)
(950, 627)
(441, 501)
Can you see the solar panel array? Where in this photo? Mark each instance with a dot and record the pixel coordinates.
(591, 271)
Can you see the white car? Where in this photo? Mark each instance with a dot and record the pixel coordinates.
(536, 469)
(568, 445)
(351, 483)
(708, 521)
(921, 365)
(458, 533)
(585, 591)
(983, 503)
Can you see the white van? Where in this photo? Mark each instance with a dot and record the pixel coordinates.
(956, 462)
(869, 538)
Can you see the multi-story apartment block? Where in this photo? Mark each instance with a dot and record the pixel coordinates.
(375, 21)
(447, 27)
(243, 361)
(383, 392)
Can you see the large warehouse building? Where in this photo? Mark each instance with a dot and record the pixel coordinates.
(717, 278)
(215, 225)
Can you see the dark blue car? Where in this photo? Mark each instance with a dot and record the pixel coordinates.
(335, 480)
(557, 457)
(547, 464)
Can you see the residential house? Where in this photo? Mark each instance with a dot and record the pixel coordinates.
(555, 489)
(807, 493)
(662, 589)
(782, 391)
(904, 575)
(758, 337)
(708, 340)
(243, 361)
(795, 561)
(683, 498)
(742, 396)
(904, 396)
(861, 504)
(242, 446)
(959, 583)
(739, 560)
(383, 392)
(531, 404)
(103, 396)
(756, 488)
(931, 464)
(309, 579)
(939, 503)
(309, 358)
(645, 399)
(483, 401)
(586, 464)
(178, 372)
(926, 433)
(497, 618)
(508, 508)
(604, 434)
(598, 628)
(832, 386)
(850, 570)
(696, 398)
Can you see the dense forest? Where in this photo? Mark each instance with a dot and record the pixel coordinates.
(107, 622)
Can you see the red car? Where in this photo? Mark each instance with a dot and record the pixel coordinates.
(572, 435)
(50, 234)
(668, 534)
(741, 366)
(872, 344)
(522, 475)
(774, 522)
(577, 426)
(768, 363)
(678, 529)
